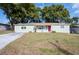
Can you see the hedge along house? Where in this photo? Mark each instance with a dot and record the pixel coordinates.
(43, 27)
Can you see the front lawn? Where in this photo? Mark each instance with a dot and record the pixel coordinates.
(44, 44)
(5, 32)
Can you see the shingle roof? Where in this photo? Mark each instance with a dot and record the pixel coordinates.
(38, 24)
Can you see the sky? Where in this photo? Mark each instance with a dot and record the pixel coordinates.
(72, 7)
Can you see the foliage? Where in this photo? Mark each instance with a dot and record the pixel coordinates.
(53, 31)
(28, 12)
(75, 19)
(55, 13)
(19, 12)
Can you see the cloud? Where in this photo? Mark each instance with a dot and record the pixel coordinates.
(76, 5)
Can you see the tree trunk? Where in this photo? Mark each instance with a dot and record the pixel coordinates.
(11, 24)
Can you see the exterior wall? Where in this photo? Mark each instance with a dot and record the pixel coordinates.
(3, 28)
(78, 21)
(28, 29)
(41, 30)
(57, 28)
(61, 28)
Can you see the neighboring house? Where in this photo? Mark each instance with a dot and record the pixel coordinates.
(43, 27)
(75, 29)
(78, 21)
(4, 27)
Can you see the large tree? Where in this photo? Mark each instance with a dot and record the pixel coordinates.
(27, 12)
(30, 11)
(18, 12)
(8, 9)
(54, 13)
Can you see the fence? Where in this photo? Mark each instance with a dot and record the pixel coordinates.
(74, 30)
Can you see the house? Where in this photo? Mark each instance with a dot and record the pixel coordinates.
(74, 29)
(43, 27)
(4, 27)
(75, 21)
(78, 21)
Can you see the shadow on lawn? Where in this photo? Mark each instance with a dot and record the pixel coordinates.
(61, 49)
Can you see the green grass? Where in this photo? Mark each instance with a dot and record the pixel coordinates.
(5, 32)
(44, 44)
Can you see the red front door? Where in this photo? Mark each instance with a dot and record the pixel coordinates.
(49, 28)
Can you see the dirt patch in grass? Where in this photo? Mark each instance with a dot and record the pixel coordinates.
(39, 44)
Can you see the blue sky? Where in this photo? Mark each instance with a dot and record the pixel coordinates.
(3, 18)
(73, 9)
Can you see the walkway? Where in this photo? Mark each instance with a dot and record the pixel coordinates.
(8, 38)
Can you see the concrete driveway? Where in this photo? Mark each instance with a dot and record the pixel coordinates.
(8, 38)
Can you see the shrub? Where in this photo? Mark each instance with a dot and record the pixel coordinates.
(53, 31)
(30, 31)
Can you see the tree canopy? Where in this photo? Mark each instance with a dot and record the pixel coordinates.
(19, 12)
(55, 13)
(28, 12)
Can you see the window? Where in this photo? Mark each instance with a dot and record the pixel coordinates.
(23, 27)
(42, 27)
(62, 26)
